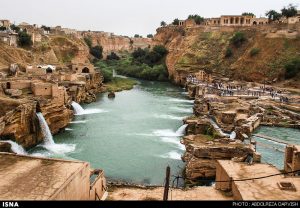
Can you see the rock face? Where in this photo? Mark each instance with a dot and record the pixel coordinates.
(19, 122)
(5, 147)
(203, 151)
(203, 48)
(115, 43)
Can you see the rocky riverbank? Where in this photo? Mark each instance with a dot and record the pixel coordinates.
(50, 94)
(222, 125)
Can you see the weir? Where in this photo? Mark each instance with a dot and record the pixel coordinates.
(77, 108)
(48, 139)
(16, 148)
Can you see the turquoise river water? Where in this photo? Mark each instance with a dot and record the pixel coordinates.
(132, 137)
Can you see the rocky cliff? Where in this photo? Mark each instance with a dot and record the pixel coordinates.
(204, 48)
(114, 43)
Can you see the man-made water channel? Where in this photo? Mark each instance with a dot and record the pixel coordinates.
(273, 152)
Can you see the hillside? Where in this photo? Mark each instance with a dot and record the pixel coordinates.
(62, 49)
(204, 48)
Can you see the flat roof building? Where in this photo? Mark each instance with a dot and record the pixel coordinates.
(277, 187)
(34, 178)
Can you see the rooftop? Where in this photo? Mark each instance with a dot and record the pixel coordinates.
(33, 178)
(260, 189)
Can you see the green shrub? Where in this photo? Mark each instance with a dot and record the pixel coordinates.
(107, 74)
(292, 68)
(24, 39)
(228, 53)
(254, 51)
(238, 39)
(96, 51)
(113, 56)
(88, 41)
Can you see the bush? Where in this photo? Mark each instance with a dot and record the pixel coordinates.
(113, 56)
(238, 39)
(107, 74)
(254, 51)
(160, 49)
(228, 53)
(24, 39)
(88, 41)
(175, 21)
(96, 51)
(149, 36)
(292, 68)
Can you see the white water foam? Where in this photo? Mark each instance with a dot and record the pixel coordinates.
(68, 129)
(78, 122)
(80, 111)
(172, 155)
(164, 116)
(173, 140)
(181, 100)
(49, 143)
(183, 110)
(16, 148)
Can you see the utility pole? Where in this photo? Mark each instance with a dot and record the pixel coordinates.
(166, 190)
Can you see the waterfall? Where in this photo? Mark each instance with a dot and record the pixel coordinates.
(77, 108)
(114, 73)
(16, 148)
(49, 143)
(48, 139)
(181, 130)
(217, 128)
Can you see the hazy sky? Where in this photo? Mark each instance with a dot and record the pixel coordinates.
(126, 17)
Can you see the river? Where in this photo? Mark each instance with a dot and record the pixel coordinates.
(132, 137)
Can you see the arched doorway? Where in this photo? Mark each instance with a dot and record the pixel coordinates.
(254, 23)
(85, 70)
(49, 70)
(8, 85)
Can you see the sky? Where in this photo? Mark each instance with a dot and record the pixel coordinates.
(127, 17)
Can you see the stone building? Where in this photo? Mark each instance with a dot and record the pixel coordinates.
(34, 178)
(9, 38)
(230, 175)
(259, 21)
(83, 68)
(236, 20)
(187, 23)
(40, 69)
(5, 23)
(216, 21)
(292, 159)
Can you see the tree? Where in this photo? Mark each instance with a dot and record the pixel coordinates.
(289, 11)
(238, 39)
(113, 56)
(292, 68)
(163, 23)
(96, 51)
(273, 15)
(149, 36)
(2, 28)
(15, 28)
(198, 19)
(24, 39)
(248, 14)
(46, 28)
(176, 21)
(160, 49)
(136, 35)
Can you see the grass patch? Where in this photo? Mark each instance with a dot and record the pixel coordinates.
(118, 84)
